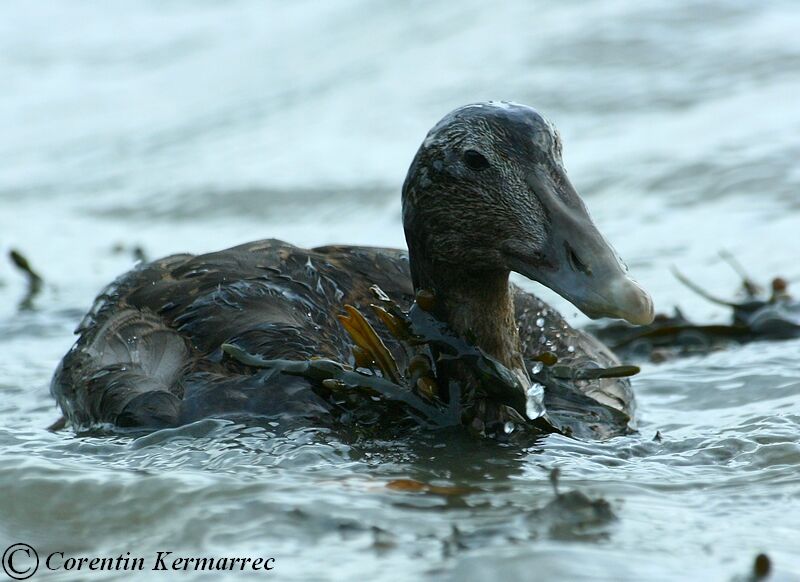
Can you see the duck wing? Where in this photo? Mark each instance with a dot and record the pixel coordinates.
(149, 350)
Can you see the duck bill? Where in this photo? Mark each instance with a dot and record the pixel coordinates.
(578, 263)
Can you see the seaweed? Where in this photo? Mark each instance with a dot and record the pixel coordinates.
(760, 314)
(446, 381)
(35, 281)
(761, 569)
(414, 486)
(135, 251)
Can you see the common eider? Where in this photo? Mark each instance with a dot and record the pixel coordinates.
(485, 195)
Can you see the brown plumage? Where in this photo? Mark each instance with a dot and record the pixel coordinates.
(150, 351)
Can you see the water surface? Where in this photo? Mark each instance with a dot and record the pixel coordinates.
(191, 126)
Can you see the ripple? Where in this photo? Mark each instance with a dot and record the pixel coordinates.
(191, 128)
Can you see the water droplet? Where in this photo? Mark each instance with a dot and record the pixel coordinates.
(537, 367)
(542, 339)
(508, 427)
(534, 401)
(540, 322)
(571, 349)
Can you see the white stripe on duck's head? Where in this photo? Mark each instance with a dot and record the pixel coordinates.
(487, 193)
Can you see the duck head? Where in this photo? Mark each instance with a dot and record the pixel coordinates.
(487, 194)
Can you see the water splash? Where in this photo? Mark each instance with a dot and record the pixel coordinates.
(534, 401)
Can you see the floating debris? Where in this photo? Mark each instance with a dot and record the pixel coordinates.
(759, 315)
(35, 281)
(382, 540)
(136, 251)
(414, 486)
(58, 425)
(572, 515)
(761, 569)
(761, 566)
(554, 476)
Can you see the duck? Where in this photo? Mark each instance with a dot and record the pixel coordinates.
(486, 195)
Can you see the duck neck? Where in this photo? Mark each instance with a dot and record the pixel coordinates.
(477, 306)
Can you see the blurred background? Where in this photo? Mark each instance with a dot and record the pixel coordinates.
(178, 126)
(191, 126)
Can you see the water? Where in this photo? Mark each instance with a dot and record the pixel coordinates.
(197, 125)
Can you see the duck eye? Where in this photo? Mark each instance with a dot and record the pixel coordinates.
(475, 160)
